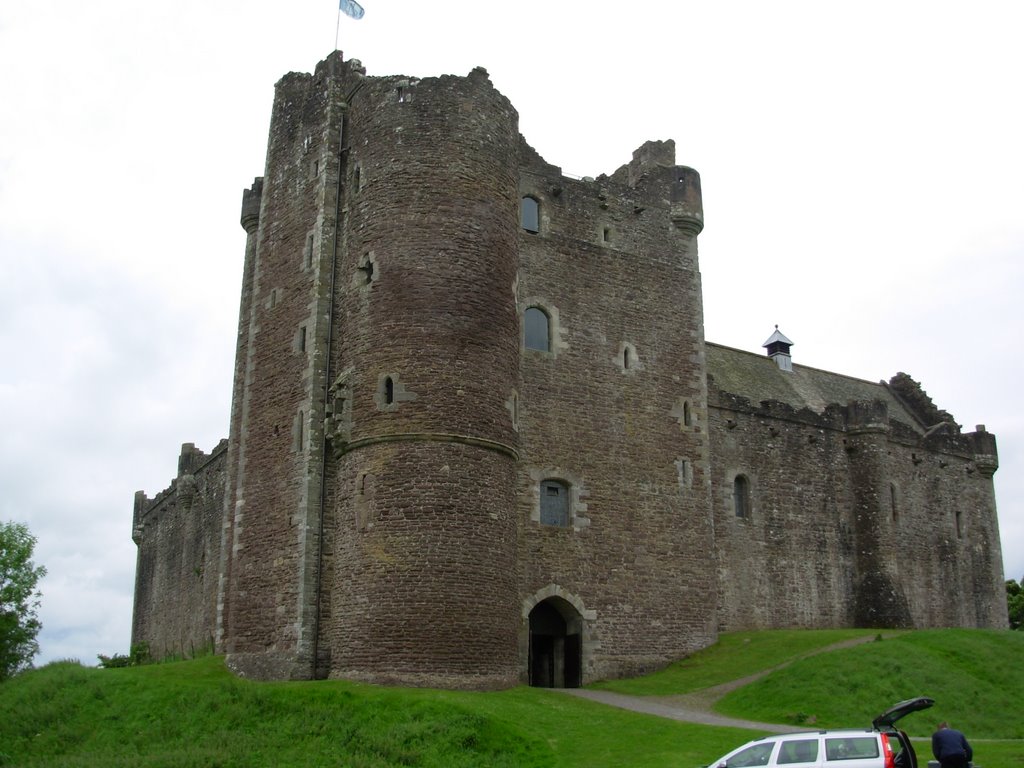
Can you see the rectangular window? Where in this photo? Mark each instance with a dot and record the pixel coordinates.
(529, 212)
(798, 751)
(851, 748)
(537, 329)
(554, 503)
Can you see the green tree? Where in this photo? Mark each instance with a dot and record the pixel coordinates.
(19, 599)
(1015, 603)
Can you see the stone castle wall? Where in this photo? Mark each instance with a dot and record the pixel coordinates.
(422, 587)
(850, 526)
(270, 594)
(376, 512)
(602, 410)
(178, 565)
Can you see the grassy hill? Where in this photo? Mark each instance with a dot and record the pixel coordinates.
(196, 713)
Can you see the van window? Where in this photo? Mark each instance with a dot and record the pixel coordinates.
(758, 754)
(798, 751)
(851, 748)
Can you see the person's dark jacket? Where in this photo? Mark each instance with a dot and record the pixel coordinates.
(949, 742)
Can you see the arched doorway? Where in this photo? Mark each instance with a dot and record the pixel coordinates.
(556, 645)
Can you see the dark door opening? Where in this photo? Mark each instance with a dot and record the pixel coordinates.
(556, 647)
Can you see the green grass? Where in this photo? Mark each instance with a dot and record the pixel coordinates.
(197, 714)
(976, 678)
(735, 655)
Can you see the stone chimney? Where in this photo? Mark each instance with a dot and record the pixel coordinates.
(778, 350)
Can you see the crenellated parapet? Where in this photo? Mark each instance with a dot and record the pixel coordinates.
(192, 462)
(986, 455)
(251, 200)
(867, 416)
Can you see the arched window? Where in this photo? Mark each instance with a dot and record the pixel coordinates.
(629, 360)
(529, 214)
(554, 503)
(537, 327)
(741, 496)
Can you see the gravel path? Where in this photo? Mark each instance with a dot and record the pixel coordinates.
(696, 707)
(670, 708)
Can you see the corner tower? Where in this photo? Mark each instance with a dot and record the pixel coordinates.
(369, 530)
(420, 585)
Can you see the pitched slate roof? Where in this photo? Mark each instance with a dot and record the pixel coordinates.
(757, 377)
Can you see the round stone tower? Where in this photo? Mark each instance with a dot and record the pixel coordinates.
(420, 545)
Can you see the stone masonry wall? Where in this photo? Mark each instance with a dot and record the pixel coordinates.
(778, 566)
(420, 574)
(929, 556)
(178, 563)
(603, 411)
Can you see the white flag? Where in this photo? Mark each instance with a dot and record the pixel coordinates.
(351, 8)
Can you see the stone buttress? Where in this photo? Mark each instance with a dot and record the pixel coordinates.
(269, 595)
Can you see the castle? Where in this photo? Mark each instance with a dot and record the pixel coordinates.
(477, 437)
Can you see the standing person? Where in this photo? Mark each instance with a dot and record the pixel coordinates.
(950, 747)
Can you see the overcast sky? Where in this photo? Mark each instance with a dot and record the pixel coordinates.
(862, 168)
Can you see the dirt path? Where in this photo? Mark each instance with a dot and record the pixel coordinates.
(662, 707)
(696, 707)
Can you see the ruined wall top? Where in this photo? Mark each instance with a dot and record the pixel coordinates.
(918, 401)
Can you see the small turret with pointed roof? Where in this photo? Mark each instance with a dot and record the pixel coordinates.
(778, 349)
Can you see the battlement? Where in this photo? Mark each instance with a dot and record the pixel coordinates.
(191, 462)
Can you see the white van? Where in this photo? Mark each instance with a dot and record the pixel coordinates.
(883, 746)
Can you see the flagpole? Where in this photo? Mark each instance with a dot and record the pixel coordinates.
(349, 8)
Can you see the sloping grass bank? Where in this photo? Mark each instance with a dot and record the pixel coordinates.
(197, 714)
(976, 678)
(734, 656)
